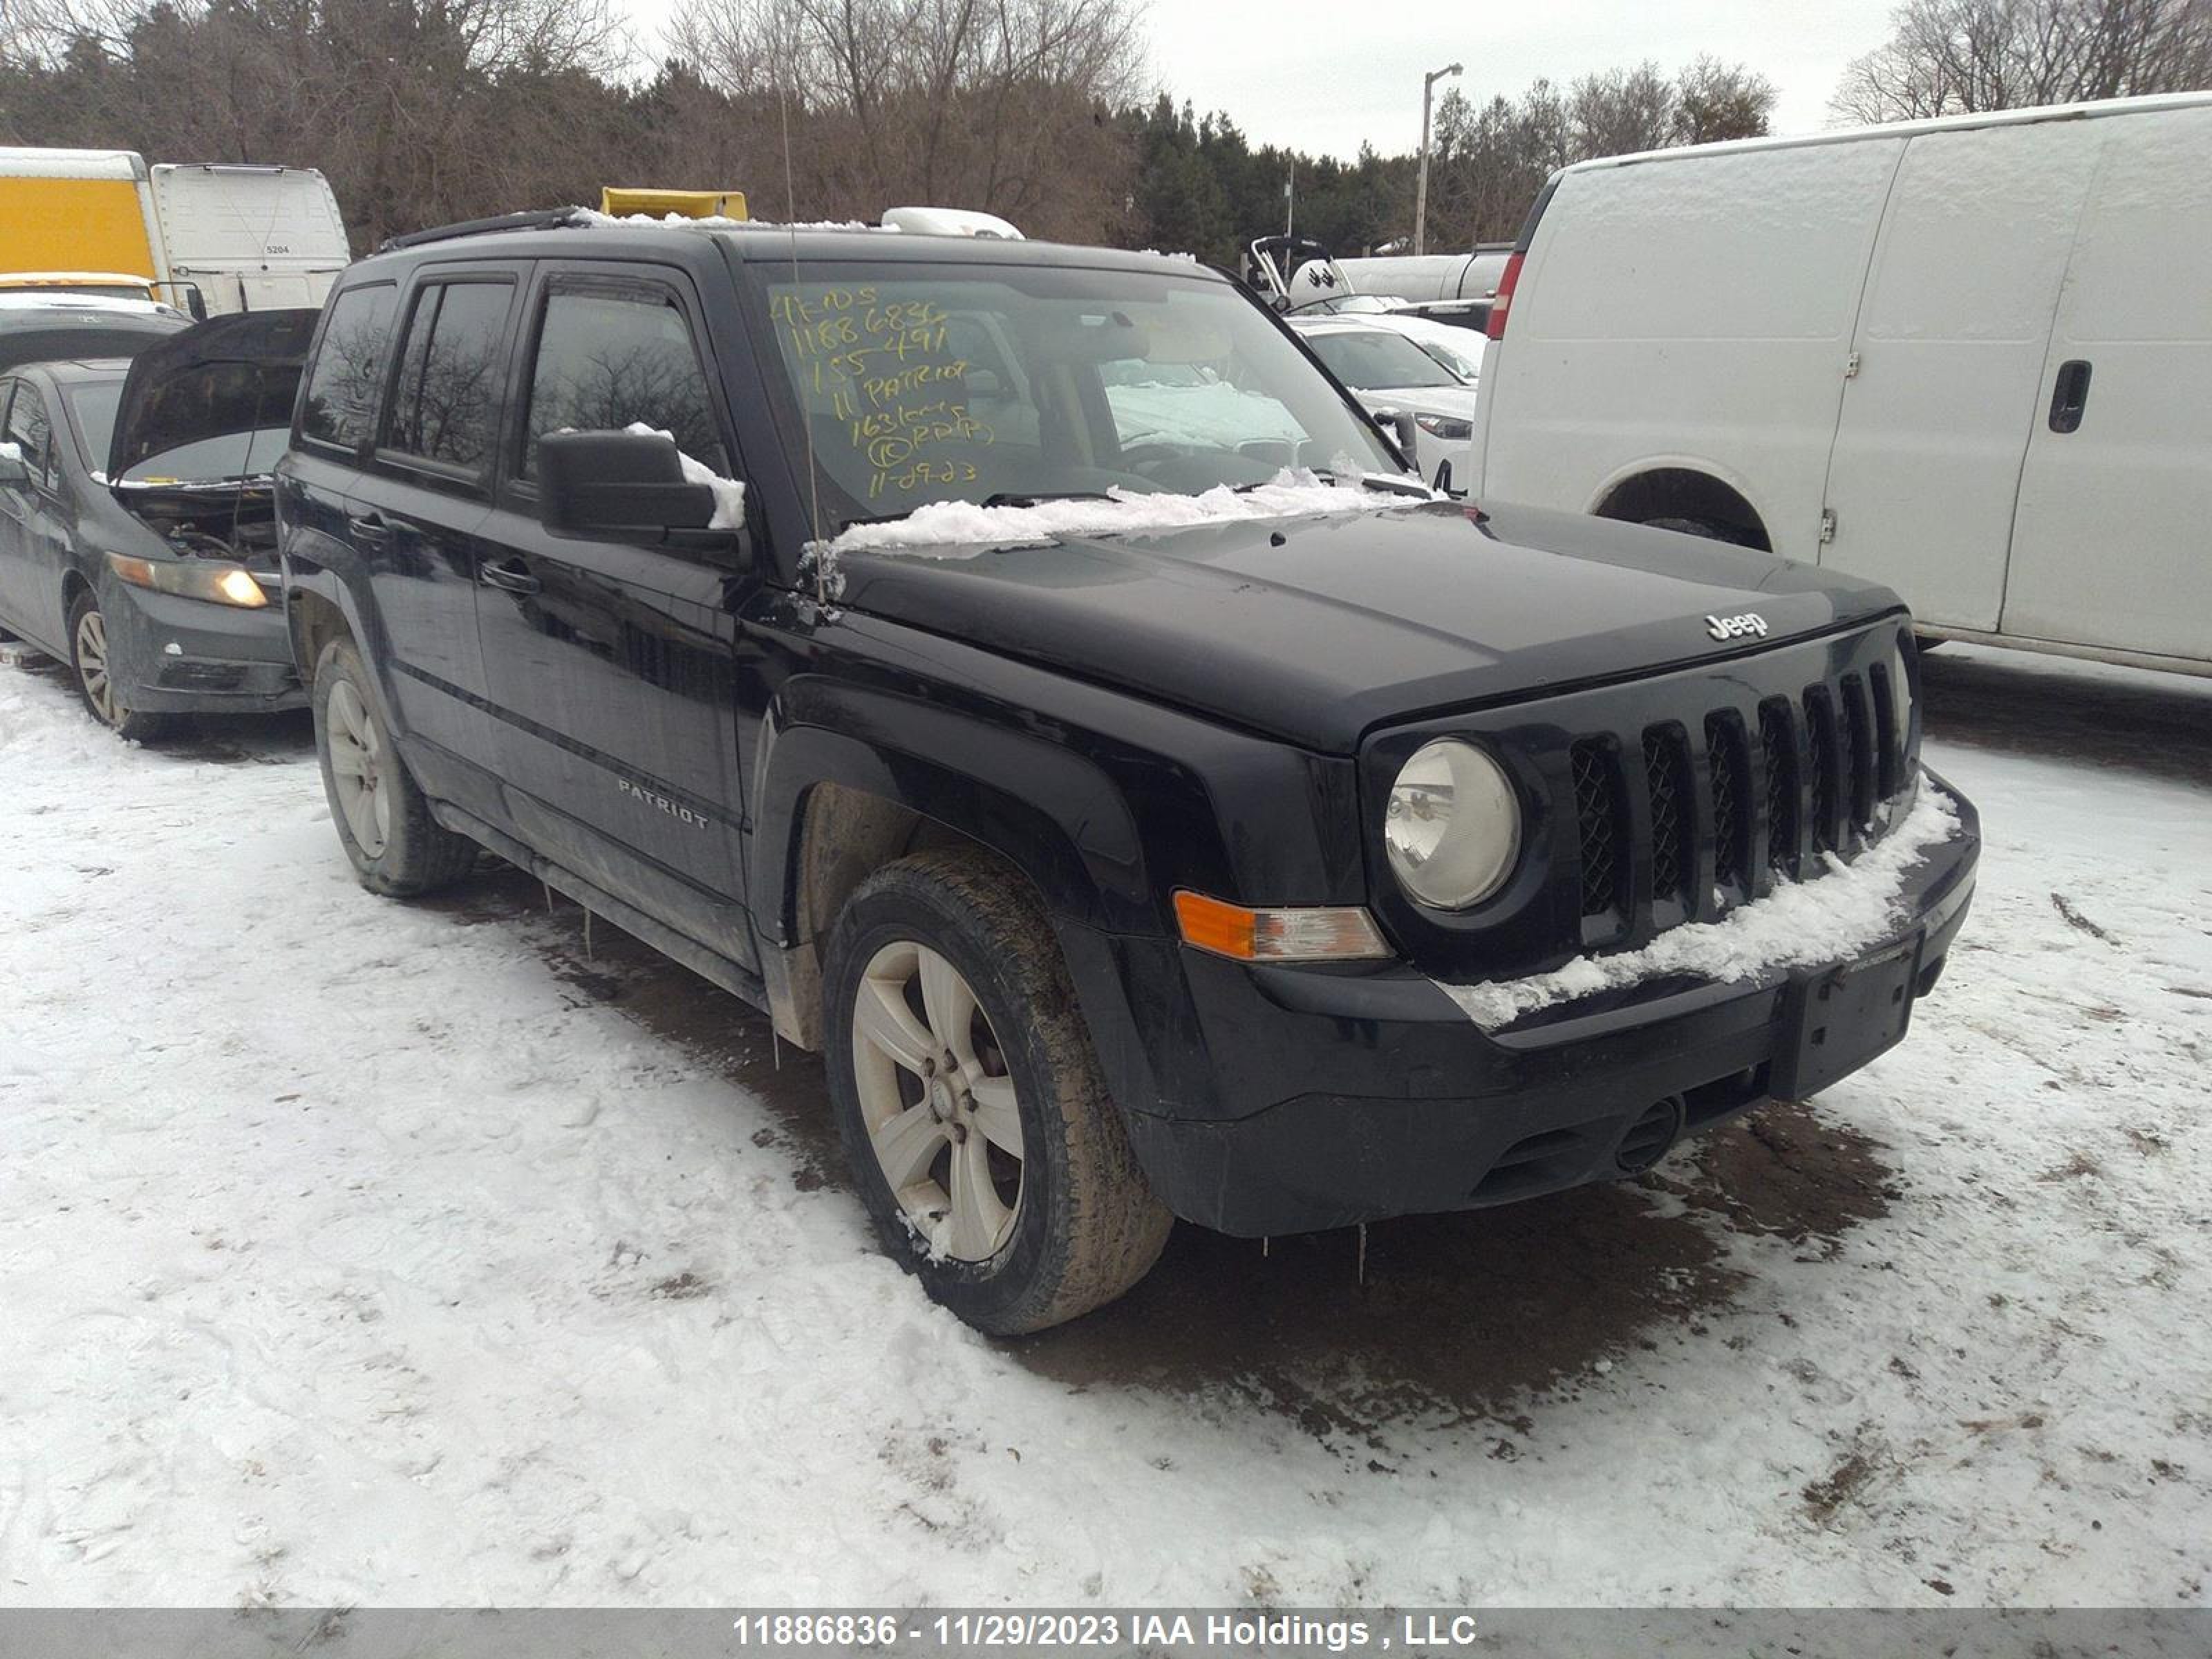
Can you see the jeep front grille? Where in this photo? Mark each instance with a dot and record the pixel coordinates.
(1599, 813)
(1674, 798)
(1673, 834)
(1727, 801)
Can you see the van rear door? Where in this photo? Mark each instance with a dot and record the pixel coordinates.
(1950, 343)
(2108, 545)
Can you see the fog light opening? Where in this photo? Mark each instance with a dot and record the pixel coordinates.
(1649, 1138)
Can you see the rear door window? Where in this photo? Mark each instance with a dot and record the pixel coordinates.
(348, 377)
(28, 428)
(445, 405)
(615, 352)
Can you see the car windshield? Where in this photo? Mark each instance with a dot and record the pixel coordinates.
(1373, 360)
(918, 383)
(1466, 366)
(207, 460)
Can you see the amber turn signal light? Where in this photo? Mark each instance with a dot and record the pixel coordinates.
(1333, 933)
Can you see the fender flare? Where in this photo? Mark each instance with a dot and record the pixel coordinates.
(1084, 855)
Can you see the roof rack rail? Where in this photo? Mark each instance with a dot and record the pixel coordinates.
(546, 219)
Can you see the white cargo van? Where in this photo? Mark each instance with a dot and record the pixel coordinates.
(1969, 358)
(251, 238)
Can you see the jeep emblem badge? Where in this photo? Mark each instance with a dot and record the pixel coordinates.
(1736, 627)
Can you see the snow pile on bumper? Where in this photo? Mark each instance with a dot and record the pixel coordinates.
(1844, 914)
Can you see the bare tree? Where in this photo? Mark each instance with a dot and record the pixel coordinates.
(1964, 56)
(1005, 105)
(1715, 100)
(1621, 111)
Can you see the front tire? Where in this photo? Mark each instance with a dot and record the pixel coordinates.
(95, 672)
(383, 817)
(969, 1099)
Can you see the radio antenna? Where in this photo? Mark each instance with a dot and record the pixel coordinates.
(820, 553)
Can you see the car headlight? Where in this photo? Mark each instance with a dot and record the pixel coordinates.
(1453, 825)
(219, 584)
(1449, 429)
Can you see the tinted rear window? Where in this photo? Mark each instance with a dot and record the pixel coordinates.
(446, 405)
(348, 372)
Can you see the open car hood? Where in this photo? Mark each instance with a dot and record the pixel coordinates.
(237, 374)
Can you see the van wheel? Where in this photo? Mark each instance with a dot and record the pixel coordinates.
(384, 820)
(971, 1105)
(1709, 529)
(95, 677)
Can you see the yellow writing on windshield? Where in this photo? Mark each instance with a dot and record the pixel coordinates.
(887, 373)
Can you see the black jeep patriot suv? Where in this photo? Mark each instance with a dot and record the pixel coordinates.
(1029, 676)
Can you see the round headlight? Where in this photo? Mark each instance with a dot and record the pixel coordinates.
(1453, 827)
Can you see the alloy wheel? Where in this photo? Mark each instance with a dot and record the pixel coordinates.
(357, 769)
(940, 1108)
(93, 669)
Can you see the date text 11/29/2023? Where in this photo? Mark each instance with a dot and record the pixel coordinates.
(1195, 1631)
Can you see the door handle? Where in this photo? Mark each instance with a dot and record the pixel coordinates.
(2069, 396)
(509, 574)
(369, 529)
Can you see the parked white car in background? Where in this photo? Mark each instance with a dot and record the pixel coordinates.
(1390, 373)
(1970, 358)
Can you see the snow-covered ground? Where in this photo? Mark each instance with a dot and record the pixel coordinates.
(362, 1252)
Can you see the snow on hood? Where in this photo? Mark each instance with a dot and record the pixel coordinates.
(1848, 911)
(949, 528)
(1420, 399)
(729, 493)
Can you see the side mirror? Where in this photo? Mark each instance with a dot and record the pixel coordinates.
(616, 486)
(14, 468)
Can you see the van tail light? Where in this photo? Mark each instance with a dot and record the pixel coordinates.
(1504, 300)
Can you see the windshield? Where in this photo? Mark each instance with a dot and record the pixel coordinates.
(206, 460)
(1371, 360)
(1448, 352)
(928, 383)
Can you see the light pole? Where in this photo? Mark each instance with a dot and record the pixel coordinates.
(1421, 187)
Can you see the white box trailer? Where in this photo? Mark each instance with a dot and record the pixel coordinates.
(251, 238)
(1969, 358)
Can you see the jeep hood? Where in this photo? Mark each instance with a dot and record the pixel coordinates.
(1317, 629)
(233, 374)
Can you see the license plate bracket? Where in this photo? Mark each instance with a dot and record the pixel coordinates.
(1838, 1018)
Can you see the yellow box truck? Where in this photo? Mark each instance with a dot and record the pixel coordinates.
(82, 217)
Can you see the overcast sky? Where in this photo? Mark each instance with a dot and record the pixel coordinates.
(1306, 76)
(1322, 74)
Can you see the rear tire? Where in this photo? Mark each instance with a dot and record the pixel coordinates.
(94, 672)
(383, 818)
(1018, 1203)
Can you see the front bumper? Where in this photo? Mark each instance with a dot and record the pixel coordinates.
(1351, 1094)
(182, 656)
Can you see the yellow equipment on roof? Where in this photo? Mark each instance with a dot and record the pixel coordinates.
(685, 203)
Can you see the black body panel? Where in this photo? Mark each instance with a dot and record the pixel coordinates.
(649, 722)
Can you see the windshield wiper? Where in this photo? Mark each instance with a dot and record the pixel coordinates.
(1030, 498)
(1385, 483)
